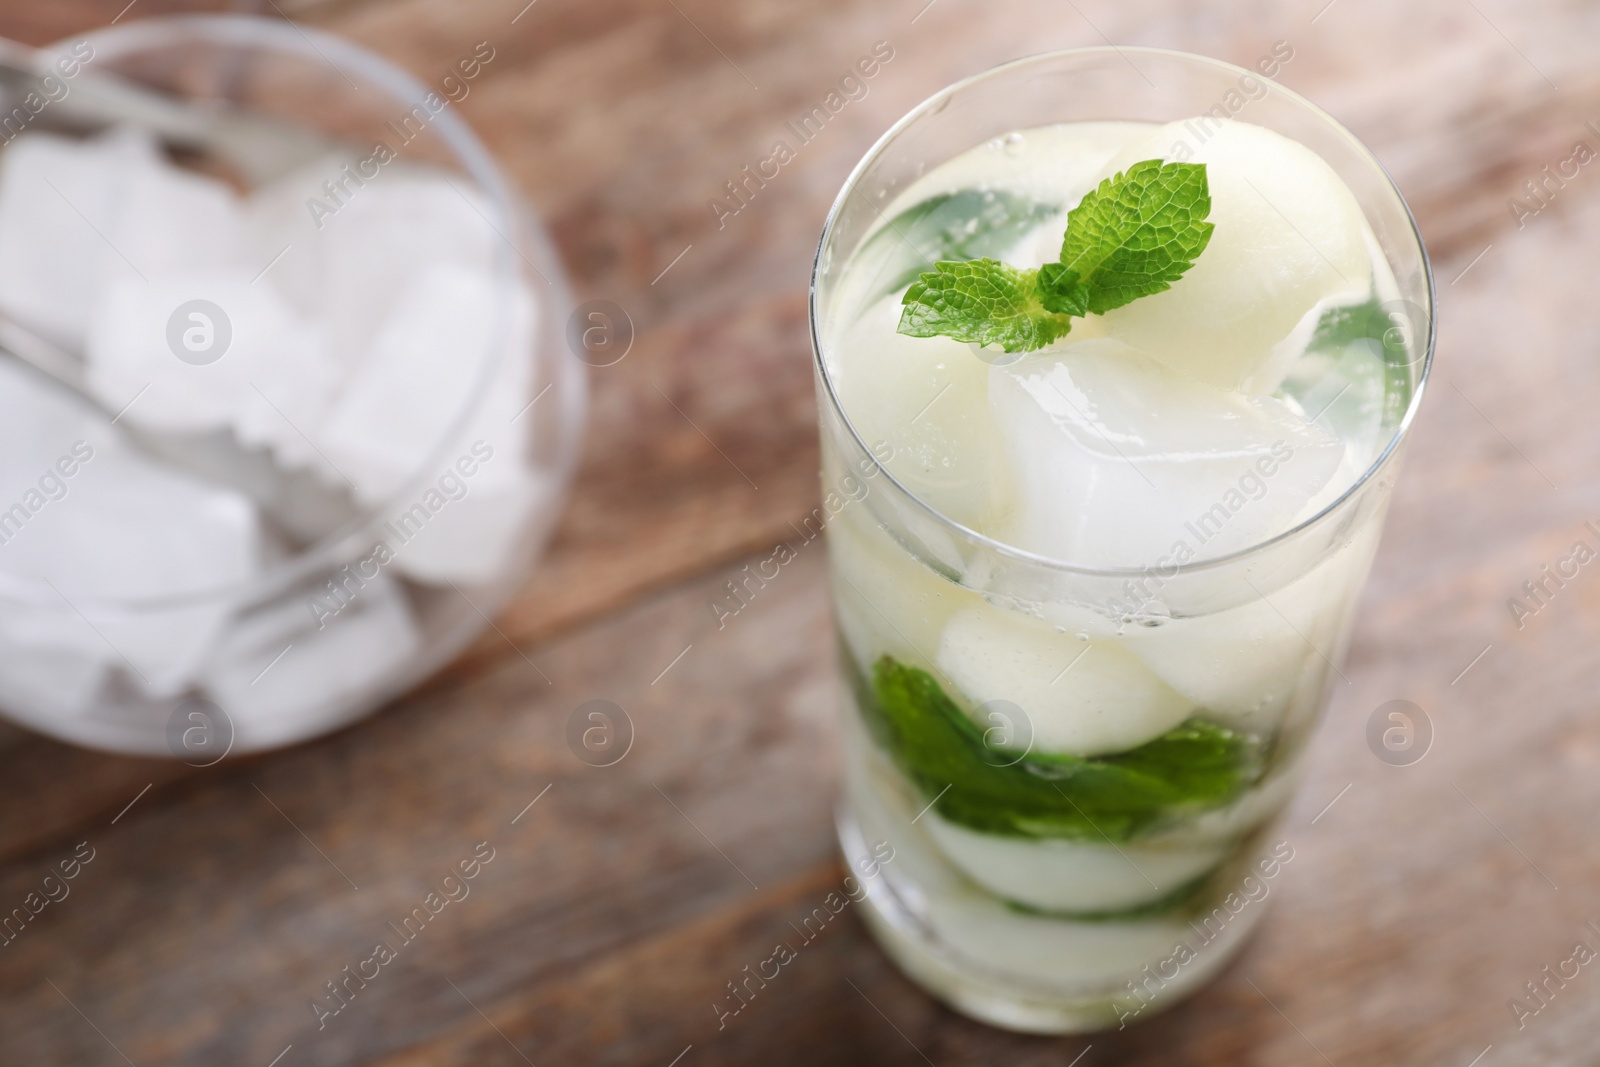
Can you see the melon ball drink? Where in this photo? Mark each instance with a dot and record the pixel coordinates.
(1112, 374)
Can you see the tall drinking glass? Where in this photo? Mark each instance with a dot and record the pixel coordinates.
(1056, 893)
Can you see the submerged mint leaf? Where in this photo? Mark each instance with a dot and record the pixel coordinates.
(1387, 330)
(1137, 233)
(1194, 767)
(967, 224)
(982, 301)
(1340, 327)
(1133, 236)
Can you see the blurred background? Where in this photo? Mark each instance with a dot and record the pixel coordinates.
(618, 795)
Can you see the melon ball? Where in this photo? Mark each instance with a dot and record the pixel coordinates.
(1288, 233)
(1085, 876)
(927, 400)
(1084, 698)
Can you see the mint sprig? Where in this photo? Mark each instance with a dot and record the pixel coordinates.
(1133, 236)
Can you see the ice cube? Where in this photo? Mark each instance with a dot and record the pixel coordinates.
(927, 399)
(308, 506)
(1120, 462)
(1071, 875)
(134, 531)
(459, 530)
(44, 681)
(454, 331)
(285, 224)
(192, 351)
(1079, 697)
(171, 218)
(77, 215)
(58, 198)
(1288, 233)
(385, 234)
(1245, 665)
(353, 241)
(286, 666)
(409, 277)
(39, 423)
(100, 525)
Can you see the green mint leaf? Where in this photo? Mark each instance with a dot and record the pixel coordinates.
(1137, 233)
(1194, 767)
(966, 224)
(1134, 235)
(982, 301)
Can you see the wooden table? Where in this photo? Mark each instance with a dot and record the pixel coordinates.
(615, 909)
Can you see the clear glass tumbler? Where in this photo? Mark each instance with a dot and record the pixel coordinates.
(1035, 931)
(423, 480)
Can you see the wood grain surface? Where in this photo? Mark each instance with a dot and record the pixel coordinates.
(617, 906)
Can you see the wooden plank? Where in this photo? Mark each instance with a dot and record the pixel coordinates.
(53, 790)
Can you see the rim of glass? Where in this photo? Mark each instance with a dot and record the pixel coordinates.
(316, 45)
(938, 100)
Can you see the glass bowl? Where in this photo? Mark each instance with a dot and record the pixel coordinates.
(358, 418)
